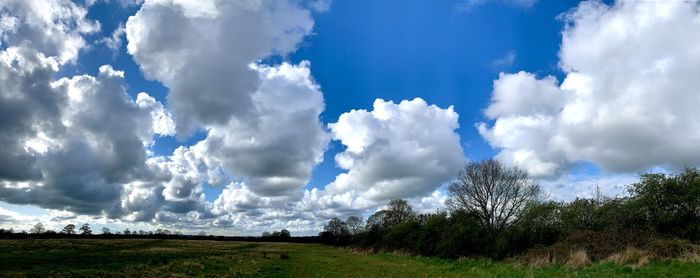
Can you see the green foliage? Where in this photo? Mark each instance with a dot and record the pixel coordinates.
(671, 203)
(659, 206)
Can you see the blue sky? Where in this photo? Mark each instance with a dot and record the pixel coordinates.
(236, 116)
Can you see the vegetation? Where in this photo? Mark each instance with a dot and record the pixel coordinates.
(498, 212)
(186, 258)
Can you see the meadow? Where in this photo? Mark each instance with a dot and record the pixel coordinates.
(186, 258)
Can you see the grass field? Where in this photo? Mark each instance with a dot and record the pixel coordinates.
(182, 258)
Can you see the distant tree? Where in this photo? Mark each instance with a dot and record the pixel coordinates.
(266, 234)
(497, 194)
(127, 232)
(142, 232)
(38, 229)
(336, 227)
(276, 233)
(85, 229)
(377, 220)
(68, 229)
(202, 233)
(399, 211)
(177, 233)
(105, 231)
(285, 233)
(354, 224)
(162, 232)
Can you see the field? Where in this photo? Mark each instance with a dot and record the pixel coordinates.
(183, 258)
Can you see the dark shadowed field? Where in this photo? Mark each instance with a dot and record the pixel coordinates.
(183, 258)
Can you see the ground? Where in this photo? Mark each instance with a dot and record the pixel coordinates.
(184, 258)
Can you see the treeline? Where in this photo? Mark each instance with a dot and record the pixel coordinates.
(156, 234)
(497, 211)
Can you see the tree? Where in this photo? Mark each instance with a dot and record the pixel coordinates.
(671, 203)
(127, 232)
(38, 229)
(202, 233)
(85, 229)
(285, 233)
(497, 194)
(68, 229)
(105, 231)
(266, 234)
(376, 221)
(354, 224)
(336, 227)
(398, 211)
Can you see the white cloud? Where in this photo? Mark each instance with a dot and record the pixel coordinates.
(114, 42)
(320, 5)
(569, 187)
(468, 5)
(628, 101)
(506, 61)
(399, 150)
(53, 27)
(163, 123)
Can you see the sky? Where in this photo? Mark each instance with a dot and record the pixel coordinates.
(238, 117)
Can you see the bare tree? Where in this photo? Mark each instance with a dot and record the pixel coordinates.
(354, 224)
(377, 220)
(336, 227)
(398, 211)
(106, 231)
(38, 229)
(497, 194)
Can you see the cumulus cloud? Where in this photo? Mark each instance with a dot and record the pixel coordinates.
(52, 27)
(72, 143)
(405, 150)
(399, 150)
(276, 150)
(81, 156)
(264, 136)
(202, 51)
(628, 100)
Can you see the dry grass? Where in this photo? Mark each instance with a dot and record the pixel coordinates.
(691, 257)
(578, 259)
(631, 257)
(542, 261)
